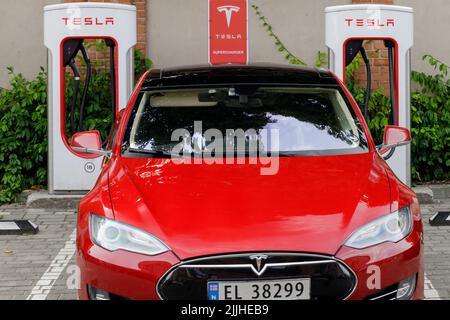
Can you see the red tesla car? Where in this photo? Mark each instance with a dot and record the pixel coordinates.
(247, 183)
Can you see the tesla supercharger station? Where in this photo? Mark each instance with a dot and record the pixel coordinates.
(346, 25)
(70, 171)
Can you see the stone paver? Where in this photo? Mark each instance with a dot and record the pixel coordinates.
(25, 259)
(54, 272)
(437, 251)
(41, 266)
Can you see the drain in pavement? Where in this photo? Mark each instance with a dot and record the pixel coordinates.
(18, 227)
(440, 219)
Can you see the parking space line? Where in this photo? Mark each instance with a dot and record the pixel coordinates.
(44, 285)
(430, 292)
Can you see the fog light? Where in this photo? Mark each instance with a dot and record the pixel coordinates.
(97, 294)
(406, 288)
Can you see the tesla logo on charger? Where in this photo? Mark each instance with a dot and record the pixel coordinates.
(88, 21)
(259, 263)
(228, 31)
(229, 10)
(370, 23)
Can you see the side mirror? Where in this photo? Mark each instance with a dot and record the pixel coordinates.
(88, 142)
(394, 137)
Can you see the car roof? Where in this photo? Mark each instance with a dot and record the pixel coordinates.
(205, 75)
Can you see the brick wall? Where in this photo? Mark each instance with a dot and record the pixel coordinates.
(378, 56)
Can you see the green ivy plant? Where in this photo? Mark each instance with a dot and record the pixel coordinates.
(322, 57)
(23, 134)
(430, 121)
(23, 124)
(379, 103)
(289, 56)
(98, 105)
(141, 64)
(379, 111)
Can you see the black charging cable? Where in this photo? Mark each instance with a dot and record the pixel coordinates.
(394, 117)
(86, 87)
(363, 52)
(112, 65)
(392, 84)
(76, 87)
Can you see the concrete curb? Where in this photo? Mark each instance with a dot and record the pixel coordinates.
(427, 194)
(441, 191)
(44, 200)
(424, 194)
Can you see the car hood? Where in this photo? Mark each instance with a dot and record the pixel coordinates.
(312, 204)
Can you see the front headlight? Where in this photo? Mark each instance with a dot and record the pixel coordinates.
(112, 235)
(390, 228)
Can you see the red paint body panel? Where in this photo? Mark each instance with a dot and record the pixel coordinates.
(202, 210)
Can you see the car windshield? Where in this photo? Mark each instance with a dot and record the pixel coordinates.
(242, 120)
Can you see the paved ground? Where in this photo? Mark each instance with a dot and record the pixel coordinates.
(42, 266)
(25, 259)
(437, 253)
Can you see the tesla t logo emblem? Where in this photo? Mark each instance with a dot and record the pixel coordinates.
(259, 263)
(229, 10)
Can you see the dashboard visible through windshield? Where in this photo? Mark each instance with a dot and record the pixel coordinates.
(236, 121)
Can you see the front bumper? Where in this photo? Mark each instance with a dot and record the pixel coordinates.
(380, 268)
(371, 272)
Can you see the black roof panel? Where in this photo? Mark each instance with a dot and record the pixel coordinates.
(238, 74)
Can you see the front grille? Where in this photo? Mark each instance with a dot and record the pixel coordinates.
(331, 279)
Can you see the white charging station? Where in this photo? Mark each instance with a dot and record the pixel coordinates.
(377, 22)
(70, 171)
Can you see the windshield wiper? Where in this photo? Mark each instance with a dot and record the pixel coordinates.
(153, 153)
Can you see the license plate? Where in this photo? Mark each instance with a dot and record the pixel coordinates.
(294, 289)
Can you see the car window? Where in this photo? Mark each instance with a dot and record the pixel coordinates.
(248, 119)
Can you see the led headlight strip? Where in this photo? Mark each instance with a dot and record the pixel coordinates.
(113, 235)
(389, 228)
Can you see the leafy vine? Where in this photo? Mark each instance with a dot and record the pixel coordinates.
(322, 57)
(292, 58)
